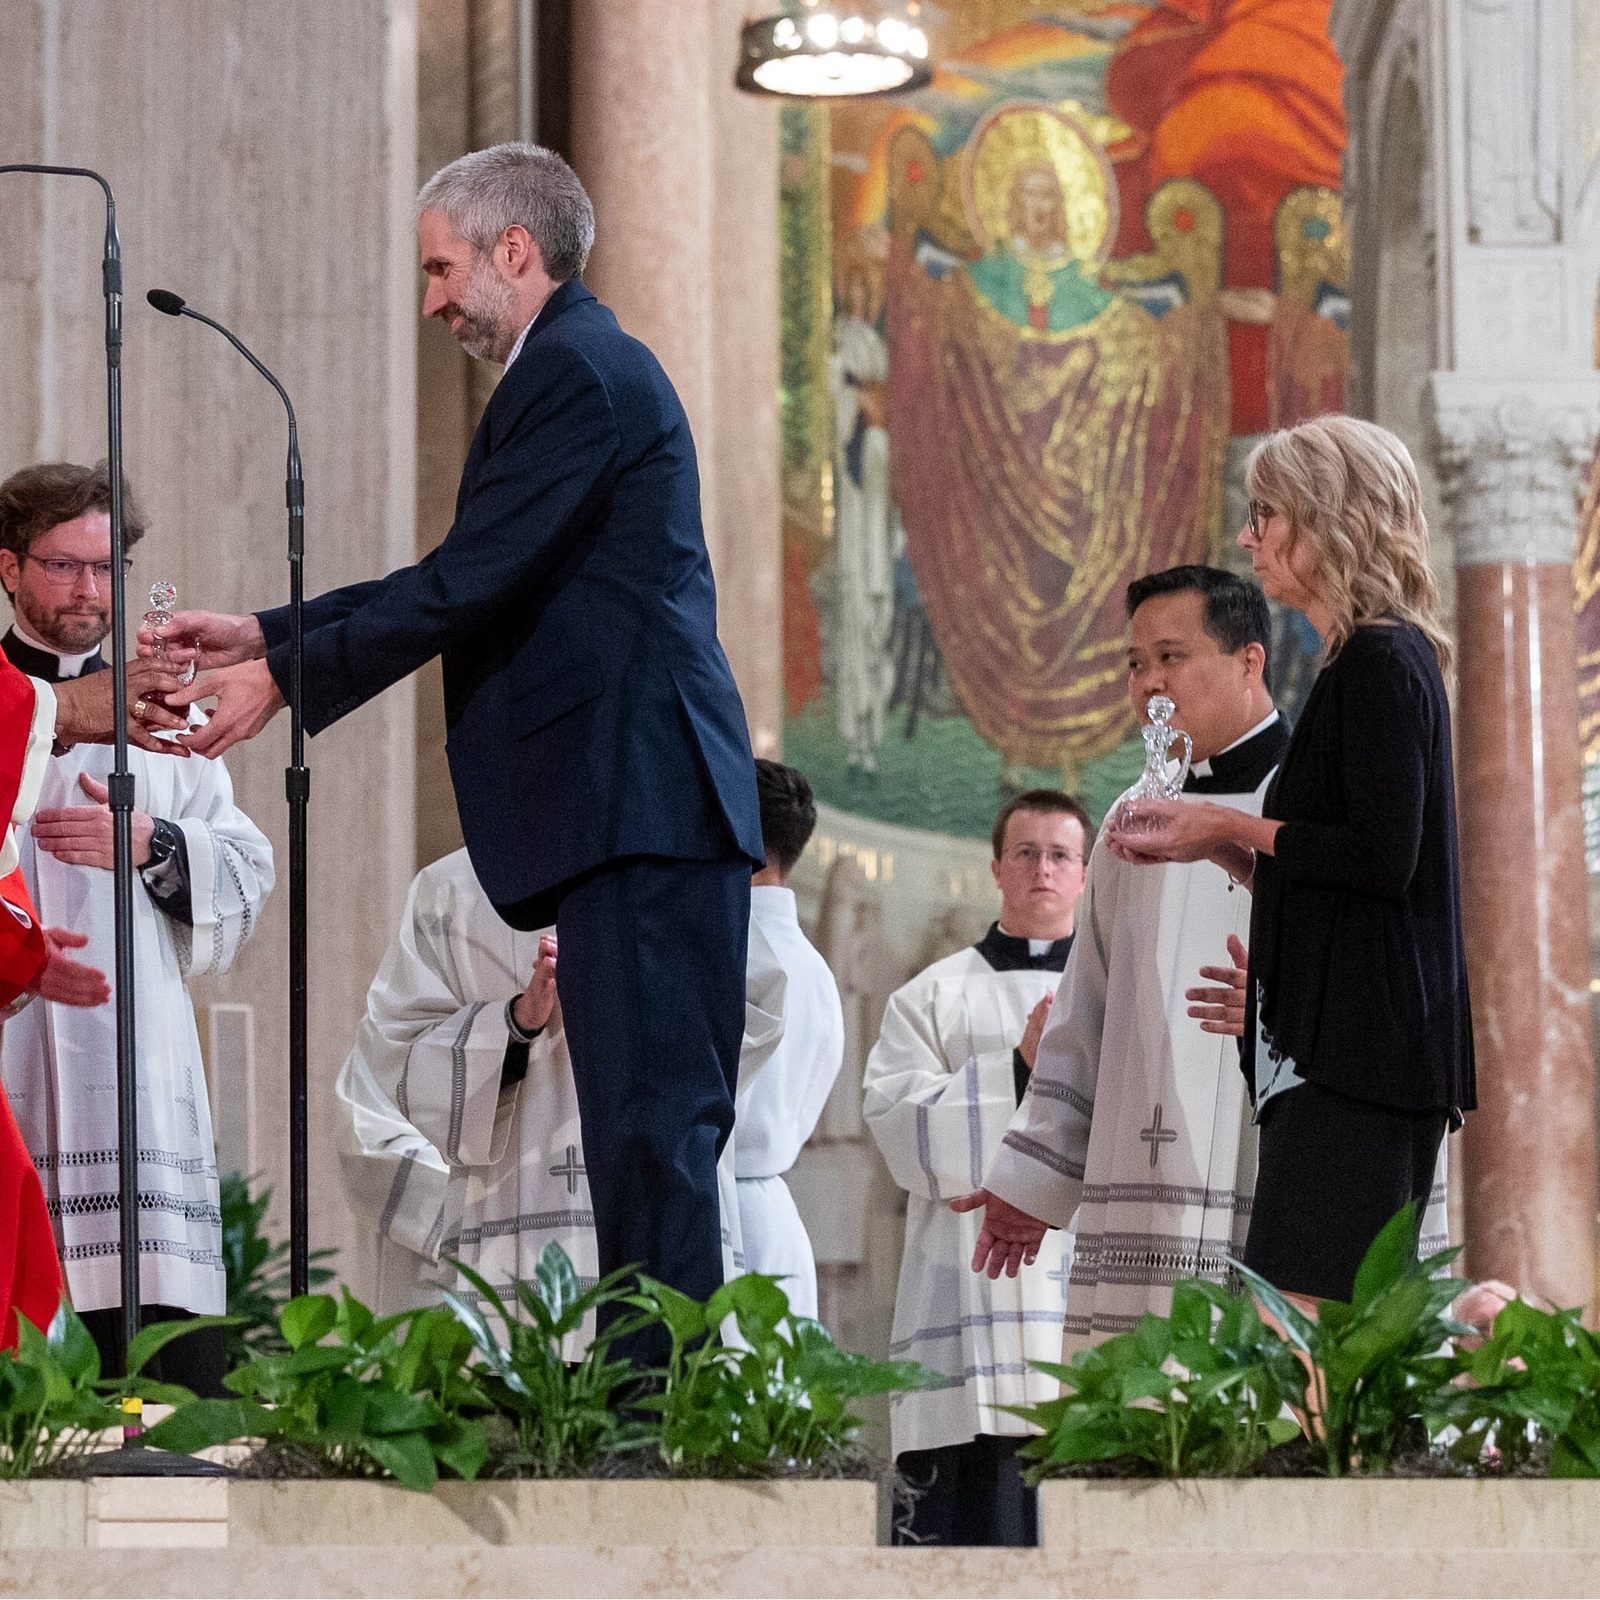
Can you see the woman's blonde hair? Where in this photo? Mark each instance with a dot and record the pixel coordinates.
(1350, 489)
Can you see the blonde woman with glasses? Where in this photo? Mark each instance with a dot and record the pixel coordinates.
(1357, 1035)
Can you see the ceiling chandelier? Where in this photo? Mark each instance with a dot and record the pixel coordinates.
(824, 53)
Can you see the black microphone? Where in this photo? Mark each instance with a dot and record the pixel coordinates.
(174, 305)
(297, 789)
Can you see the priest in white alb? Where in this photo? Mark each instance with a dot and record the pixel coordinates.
(460, 1136)
(204, 871)
(1136, 1131)
(942, 1083)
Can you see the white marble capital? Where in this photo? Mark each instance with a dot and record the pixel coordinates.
(1511, 457)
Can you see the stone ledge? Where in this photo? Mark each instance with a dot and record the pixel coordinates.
(647, 1570)
(1345, 1517)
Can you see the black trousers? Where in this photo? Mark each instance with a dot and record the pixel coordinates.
(197, 1360)
(969, 1493)
(652, 998)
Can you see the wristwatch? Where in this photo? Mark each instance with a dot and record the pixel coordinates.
(163, 844)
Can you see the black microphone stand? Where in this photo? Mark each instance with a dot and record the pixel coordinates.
(297, 789)
(132, 1458)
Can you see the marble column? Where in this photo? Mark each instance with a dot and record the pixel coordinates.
(683, 171)
(1513, 456)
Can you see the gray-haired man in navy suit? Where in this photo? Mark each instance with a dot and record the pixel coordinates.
(597, 743)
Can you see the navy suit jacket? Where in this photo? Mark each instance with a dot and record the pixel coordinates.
(591, 712)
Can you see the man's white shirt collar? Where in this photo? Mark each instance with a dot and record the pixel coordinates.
(522, 339)
(1202, 769)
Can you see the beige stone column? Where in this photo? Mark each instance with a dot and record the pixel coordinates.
(1478, 269)
(1513, 459)
(683, 171)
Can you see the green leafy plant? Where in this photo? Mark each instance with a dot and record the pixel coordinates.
(257, 1269)
(353, 1394)
(1533, 1383)
(54, 1404)
(565, 1416)
(1197, 1393)
(773, 1398)
(1380, 1364)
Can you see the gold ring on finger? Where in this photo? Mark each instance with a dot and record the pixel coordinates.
(140, 707)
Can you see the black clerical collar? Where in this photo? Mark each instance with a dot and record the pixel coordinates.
(43, 664)
(1006, 953)
(1244, 767)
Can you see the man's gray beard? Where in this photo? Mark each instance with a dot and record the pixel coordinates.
(481, 340)
(484, 335)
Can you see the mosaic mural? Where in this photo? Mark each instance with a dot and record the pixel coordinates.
(1034, 316)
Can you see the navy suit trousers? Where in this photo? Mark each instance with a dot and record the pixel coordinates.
(652, 980)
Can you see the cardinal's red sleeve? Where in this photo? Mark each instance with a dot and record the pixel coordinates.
(16, 727)
(30, 1272)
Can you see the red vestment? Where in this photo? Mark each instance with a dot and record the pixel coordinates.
(30, 1273)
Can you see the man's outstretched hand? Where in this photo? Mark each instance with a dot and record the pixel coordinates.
(1008, 1240)
(207, 638)
(247, 700)
(69, 982)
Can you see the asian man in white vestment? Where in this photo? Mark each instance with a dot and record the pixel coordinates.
(1136, 1131)
(204, 870)
(942, 1084)
(781, 1095)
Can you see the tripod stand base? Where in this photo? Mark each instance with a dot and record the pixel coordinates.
(141, 1461)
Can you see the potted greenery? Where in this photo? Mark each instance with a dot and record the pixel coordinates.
(56, 1413)
(1389, 1386)
(739, 1440)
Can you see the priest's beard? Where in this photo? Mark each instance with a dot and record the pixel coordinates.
(72, 628)
(485, 310)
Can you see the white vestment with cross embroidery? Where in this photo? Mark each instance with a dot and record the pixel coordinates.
(940, 1090)
(1136, 1130)
(441, 1159)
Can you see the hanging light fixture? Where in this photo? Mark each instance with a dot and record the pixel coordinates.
(826, 53)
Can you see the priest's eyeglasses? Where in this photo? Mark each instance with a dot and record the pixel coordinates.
(63, 570)
(1030, 855)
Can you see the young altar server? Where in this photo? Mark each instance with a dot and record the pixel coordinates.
(204, 871)
(942, 1083)
(781, 1096)
(1137, 1124)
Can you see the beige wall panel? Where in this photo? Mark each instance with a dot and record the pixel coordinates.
(446, 409)
(22, 201)
(264, 160)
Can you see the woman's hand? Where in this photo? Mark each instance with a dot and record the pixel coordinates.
(1145, 831)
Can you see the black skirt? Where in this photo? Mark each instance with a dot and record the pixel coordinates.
(1332, 1172)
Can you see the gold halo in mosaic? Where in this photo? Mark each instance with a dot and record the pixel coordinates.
(1022, 135)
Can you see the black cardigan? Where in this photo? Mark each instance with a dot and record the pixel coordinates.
(1355, 930)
